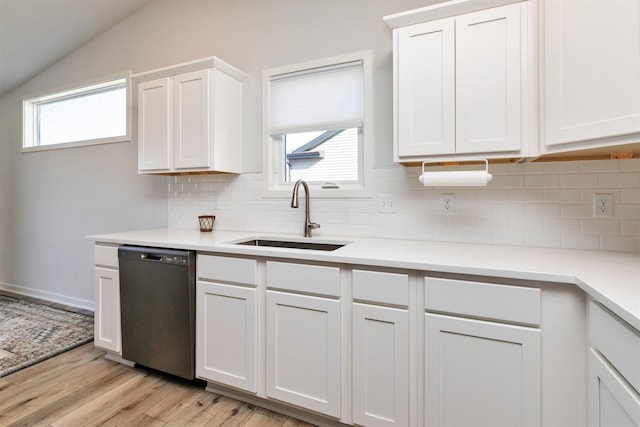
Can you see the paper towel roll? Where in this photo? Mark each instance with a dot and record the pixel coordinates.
(455, 178)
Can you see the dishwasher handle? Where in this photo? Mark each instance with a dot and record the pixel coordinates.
(150, 257)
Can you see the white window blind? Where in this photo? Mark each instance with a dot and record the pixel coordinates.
(317, 99)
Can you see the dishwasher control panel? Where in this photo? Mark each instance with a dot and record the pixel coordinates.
(174, 259)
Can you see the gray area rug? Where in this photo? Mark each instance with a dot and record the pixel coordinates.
(31, 332)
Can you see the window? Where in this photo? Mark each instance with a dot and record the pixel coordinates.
(316, 124)
(92, 114)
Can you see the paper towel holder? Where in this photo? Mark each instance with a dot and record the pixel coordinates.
(455, 178)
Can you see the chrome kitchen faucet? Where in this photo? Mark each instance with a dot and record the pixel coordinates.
(308, 225)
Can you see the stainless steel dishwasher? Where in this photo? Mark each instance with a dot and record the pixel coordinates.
(157, 302)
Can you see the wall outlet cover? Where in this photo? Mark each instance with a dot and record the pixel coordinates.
(387, 203)
(447, 203)
(602, 205)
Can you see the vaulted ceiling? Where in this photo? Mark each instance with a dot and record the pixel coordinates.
(35, 34)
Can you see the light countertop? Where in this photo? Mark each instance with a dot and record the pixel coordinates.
(611, 278)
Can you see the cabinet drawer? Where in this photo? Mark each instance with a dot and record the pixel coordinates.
(381, 287)
(483, 300)
(313, 279)
(227, 269)
(617, 341)
(106, 256)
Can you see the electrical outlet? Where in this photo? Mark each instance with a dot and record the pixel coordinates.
(447, 203)
(602, 205)
(386, 203)
(215, 201)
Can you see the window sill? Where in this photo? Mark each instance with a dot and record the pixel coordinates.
(320, 193)
(74, 144)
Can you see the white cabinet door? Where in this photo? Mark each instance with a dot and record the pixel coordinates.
(303, 351)
(425, 116)
(480, 373)
(612, 401)
(488, 80)
(380, 366)
(154, 136)
(592, 70)
(191, 116)
(226, 335)
(107, 310)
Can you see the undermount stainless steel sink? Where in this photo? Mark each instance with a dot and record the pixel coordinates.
(273, 243)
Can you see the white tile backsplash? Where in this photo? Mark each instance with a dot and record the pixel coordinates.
(542, 181)
(619, 180)
(535, 204)
(631, 196)
(579, 180)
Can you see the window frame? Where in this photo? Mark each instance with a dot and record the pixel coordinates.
(29, 104)
(272, 187)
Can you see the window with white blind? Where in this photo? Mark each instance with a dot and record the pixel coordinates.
(316, 120)
(93, 113)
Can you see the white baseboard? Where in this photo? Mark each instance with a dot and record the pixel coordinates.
(49, 296)
(117, 358)
(310, 417)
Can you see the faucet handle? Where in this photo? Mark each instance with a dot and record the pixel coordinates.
(313, 225)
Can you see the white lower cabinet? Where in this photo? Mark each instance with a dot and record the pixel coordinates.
(107, 299)
(380, 348)
(480, 372)
(613, 402)
(227, 321)
(613, 370)
(226, 336)
(380, 366)
(107, 310)
(340, 344)
(303, 351)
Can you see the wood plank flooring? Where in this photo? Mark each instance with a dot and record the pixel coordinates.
(82, 388)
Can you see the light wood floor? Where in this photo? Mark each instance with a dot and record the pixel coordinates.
(82, 388)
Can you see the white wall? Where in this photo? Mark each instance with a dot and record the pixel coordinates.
(49, 201)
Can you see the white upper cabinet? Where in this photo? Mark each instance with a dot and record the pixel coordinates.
(425, 88)
(463, 82)
(488, 80)
(190, 118)
(154, 150)
(591, 78)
